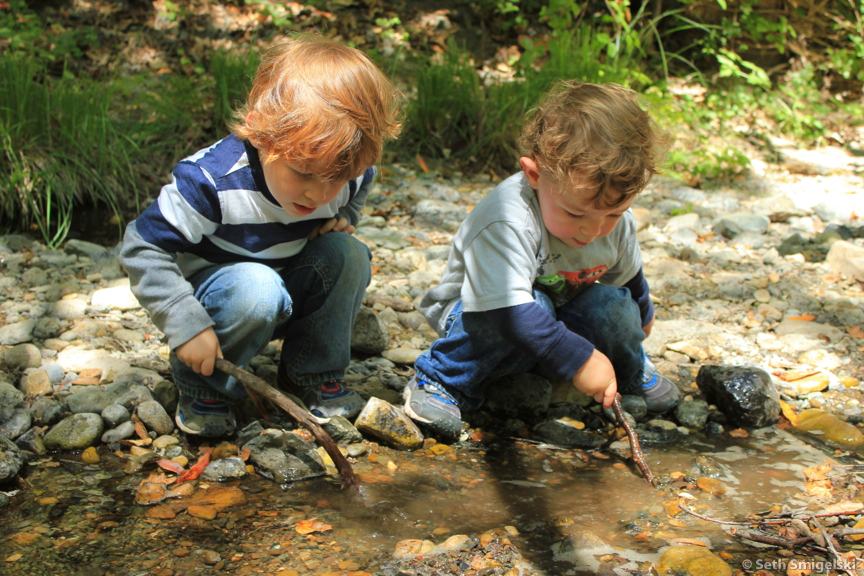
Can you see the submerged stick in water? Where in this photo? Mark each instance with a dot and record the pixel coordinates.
(635, 447)
(304, 418)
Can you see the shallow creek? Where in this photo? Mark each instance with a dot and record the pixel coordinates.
(565, 512)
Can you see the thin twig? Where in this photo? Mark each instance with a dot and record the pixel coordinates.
(257, 385)
(635, 447)
(832, 546)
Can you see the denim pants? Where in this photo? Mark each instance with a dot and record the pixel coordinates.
(472, 353)
(311, 303)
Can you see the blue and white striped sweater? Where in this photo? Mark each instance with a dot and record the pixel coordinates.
(216, 209)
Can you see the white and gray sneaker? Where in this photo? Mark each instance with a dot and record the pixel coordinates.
(431, 406)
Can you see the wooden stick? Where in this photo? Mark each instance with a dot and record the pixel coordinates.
(635, 447)
(256, 385)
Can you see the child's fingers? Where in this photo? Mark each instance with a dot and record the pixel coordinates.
(608, 395)
(328, 226)
(208, 365)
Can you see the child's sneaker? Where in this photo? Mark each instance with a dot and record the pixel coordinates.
(332, 399)
(431, 405)
(209, 418)
(660, 393)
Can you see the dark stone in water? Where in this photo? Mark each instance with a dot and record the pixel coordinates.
(744, 394)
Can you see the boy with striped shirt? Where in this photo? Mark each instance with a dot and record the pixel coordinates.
(251, 240)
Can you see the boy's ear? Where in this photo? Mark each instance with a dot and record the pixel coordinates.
(531, 170)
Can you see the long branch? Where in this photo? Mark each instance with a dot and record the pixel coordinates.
(635, 447)
(304, 418)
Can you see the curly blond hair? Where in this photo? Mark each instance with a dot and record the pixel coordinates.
(321, 105)
(596, 133)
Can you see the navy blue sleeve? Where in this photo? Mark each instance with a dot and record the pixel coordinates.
(533, 329)
(638, 287)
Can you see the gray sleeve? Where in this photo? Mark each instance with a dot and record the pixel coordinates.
(352, 211)
(160, 287)
(500, 265)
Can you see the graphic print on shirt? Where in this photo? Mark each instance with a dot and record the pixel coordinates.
(562, 286)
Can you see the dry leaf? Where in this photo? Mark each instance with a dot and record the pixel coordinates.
(311, 525)
(739, 433)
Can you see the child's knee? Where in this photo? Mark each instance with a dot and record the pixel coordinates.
(253, 294)
(346, 256)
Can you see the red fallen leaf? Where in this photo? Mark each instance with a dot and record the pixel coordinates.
(196, 469)
(422, 163)
(170, 466)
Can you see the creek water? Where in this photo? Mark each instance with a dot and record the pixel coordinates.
(569, 511)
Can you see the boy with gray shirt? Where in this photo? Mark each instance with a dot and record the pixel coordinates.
(546, 271)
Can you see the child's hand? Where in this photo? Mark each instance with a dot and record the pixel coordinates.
(596, 378)
(200, 353)
(340, 224)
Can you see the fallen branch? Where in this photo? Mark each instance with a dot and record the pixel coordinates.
(635, 447)
(256, 385)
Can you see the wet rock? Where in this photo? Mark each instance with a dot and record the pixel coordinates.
(46, 411)
(847, 259)
(10, 399)
(356, 450)
(32, 441)
(284, 457)
(249, 432)
(164, 442)
(114, 414)
(225, 469)
(96, 398)
(692, 413)
(525, 396)
(746, 395)
(17, 332)
(36, 382)
(22, 356)
(75, 432)
(635, 406)
(342, 431)
(659, 432)
(692, 561)
(566, 432)
(120, 432)
(154, 416)
(165, 392)
(11, 460)
(370, 335)
(15, 426)
(389, 424)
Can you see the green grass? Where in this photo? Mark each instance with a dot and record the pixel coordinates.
(63, 148)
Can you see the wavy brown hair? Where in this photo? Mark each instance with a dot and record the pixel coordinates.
(321, 105)
(594, 132)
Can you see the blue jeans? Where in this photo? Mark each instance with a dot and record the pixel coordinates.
(473, 353)
(311, 303)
